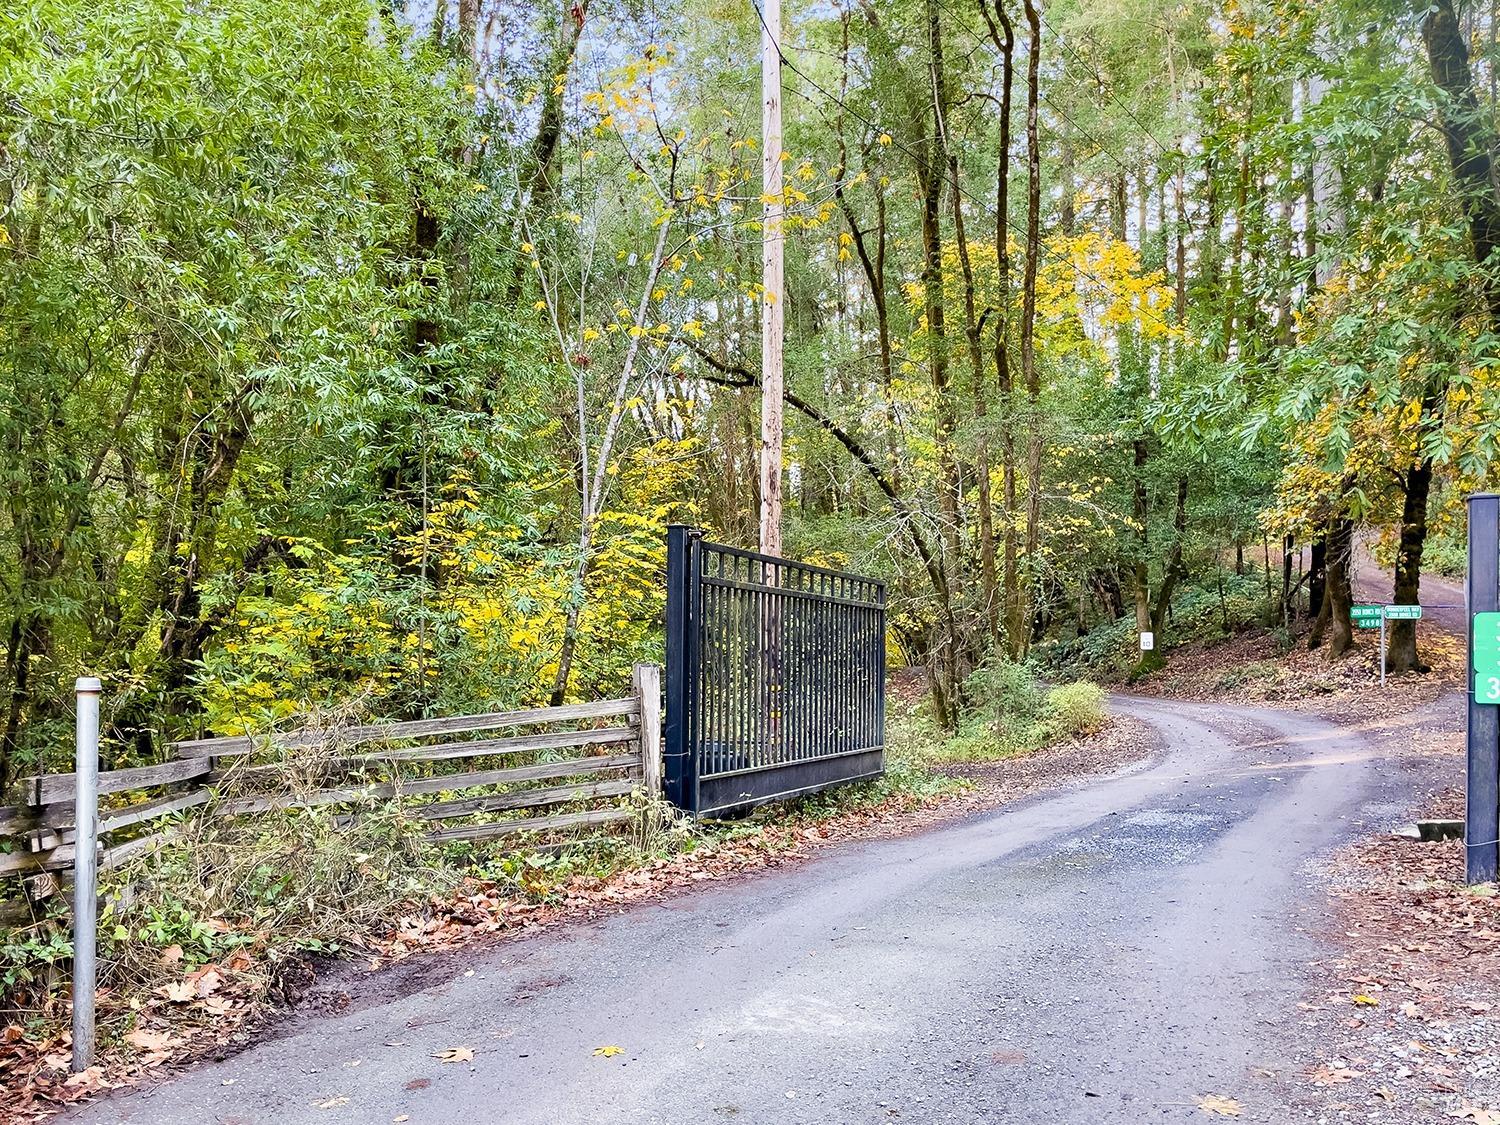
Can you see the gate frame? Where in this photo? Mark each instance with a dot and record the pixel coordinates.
(716, 795)
(684, 606)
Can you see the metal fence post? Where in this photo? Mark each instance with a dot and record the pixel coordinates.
(85, 869)
(1482, 814)
(675, 729)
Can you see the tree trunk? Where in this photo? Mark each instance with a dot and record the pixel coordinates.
(1141, 570)
(1469, 140)
(1029, 374)
(538, 179)
(871, 264)
(1401, 650)
(931, 173)
(1067, 215)
(1119, 203)
(987, 569)
(1179, 195)
(1002, 33)
(1317, 576)
(932, 165)
(1340, 586)
(1175, 570)
(1237, 241)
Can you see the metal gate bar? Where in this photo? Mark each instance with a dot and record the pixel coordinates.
(775, 676)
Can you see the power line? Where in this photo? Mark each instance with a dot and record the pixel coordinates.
(984, 207)
(1097, 143)
(1066, 46)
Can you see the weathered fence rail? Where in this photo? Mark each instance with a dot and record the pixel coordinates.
(457, 768)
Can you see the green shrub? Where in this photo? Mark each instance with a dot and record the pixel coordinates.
(1009, 712)
(1076, 708)
(1447, 556)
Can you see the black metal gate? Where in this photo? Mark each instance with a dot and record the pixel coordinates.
(775, 676)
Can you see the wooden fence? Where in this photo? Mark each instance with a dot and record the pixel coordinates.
(473, 777)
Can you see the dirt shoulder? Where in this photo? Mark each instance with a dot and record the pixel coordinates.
(1401, 1026)
(1252, 667)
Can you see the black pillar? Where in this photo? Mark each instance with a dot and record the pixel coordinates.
(1482, 814)
(679, 765)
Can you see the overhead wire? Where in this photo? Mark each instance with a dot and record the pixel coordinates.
(1130, 113)
(1053, 106)
(983, 205)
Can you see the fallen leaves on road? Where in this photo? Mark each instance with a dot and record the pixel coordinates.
(169, 1020)
(1331, 1075)
(608, 1052)
(455, 1055)
(1218, 1104)
(1474, 1113)
(148, 1041)
(332, 1103)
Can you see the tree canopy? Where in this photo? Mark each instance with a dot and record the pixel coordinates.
(358, 355)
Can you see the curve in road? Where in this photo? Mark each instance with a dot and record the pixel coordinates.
(1109, 953)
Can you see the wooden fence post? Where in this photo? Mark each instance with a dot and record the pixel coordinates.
(645, 680)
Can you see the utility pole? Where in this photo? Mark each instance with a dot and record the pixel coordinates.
(772, 304)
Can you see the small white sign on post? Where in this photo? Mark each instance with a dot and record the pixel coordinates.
(1148, 642)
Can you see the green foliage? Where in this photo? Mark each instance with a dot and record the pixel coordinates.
(1076, 708)
(1011, 712)
(1445, 552)
(1207, 607)
(293, 880)
(1447, 556)
(27, 956)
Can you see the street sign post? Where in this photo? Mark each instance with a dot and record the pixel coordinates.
(1395, 613)
(1482, 812)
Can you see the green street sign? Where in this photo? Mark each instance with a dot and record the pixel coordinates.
(1366, 616)
(1403, 612)
(1484, 655)
(1486, 645)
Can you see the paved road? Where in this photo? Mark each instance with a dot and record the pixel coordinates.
(1106, 954)
(1444, 597)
